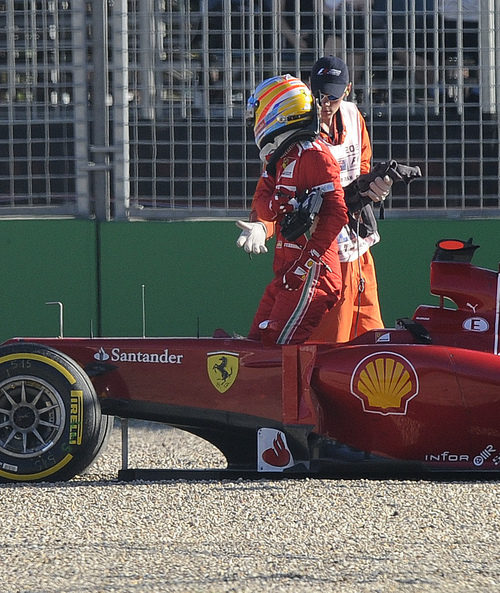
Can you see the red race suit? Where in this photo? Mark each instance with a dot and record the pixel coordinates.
(289, 316)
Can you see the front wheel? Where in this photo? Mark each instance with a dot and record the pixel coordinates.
(50, 417)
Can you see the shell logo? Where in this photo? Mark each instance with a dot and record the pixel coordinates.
(384, 382)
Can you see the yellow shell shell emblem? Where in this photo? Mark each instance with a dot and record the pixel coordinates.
(385, 382)
(222, 368)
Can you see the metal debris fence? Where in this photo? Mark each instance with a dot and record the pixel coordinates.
(124, 109)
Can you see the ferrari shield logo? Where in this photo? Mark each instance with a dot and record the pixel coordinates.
(222, 368)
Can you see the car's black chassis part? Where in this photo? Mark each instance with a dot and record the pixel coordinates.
(396, 470)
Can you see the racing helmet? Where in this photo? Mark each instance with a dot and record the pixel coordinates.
(277, 105)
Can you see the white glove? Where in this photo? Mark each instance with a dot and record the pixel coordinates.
(252, 237)
(379, 189)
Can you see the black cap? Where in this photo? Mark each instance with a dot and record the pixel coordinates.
(330, 75)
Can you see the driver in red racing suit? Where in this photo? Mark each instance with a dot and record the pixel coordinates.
(307, 277)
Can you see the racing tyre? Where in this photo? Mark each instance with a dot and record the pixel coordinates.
(107, 424)
(50, 417)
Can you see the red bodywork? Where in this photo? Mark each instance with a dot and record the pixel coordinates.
(390, 396)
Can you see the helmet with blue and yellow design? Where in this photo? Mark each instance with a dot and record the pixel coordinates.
(277, 105)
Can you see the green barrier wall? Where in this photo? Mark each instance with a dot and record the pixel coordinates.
(47, 260)
(195, 279)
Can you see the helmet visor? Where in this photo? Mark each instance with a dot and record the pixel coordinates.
(252, 105)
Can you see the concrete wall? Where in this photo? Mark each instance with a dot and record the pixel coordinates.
(194, 277)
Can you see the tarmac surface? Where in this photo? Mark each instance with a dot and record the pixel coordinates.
(96, 534)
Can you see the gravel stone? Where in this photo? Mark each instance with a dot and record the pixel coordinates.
(98, 535)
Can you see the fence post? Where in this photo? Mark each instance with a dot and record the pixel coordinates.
(487, 70)
(100, 111)
(80, 113)
(120, 110)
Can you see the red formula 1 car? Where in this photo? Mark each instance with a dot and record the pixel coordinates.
(418, 399)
